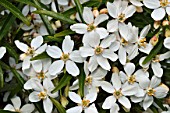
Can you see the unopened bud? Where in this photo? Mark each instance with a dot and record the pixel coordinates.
(115, 70)
(104, 11)
(139, 9)
(156, 24)
(54, 26)
(73, 17)
(64, 101)
(165, 23)
(154, 40)
(167, 33)
(58, 23)
(66, 90)
(95, 12)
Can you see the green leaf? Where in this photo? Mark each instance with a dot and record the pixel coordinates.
(28, 2)
(18, 77)
(4, 66)
(1, 78)
(55, 15)
(8, 23)
(79, 9)
(81, 81)
(5, 111)
(154, 51)
(59, 107)
(63, 82)
(15, 11)
(57, 36)
(11, 51)
(40, 56)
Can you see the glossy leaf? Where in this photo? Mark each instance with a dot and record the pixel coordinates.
(59, 107)
(82, 81)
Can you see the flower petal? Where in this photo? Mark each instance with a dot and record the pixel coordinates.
(75, 97)
(91, 96)
(106, 86)
(116, 81)
(23, 47)
(108, 103)
(67, 45)
(102, 32)
(36, 42)
(56, 67)
(112, 9)
(103, 62)
(167, 43)
(157, 70)
(79, 28)
(112, 26)
(125, 102)
(129, 68)
(158, 14)
(2, 51)
(88, 15)
(54, 51)
(122, 55)
(108, 53)
(37, 65)
(76, 57)
(77, 109)
(33, 97)
(148, 100)
(16, 101)
(92, 63)
(72, 68)
(48, 105)
(27, 108)
(108, 41)
(150, 4)
(86, 51)
(155, 81)
(99, 19)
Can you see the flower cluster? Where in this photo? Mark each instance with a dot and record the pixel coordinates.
(105, 62)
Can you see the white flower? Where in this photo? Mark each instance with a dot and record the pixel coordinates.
(92, 80)
(2, 51)
(120, 11)
(167, 42)
(16, 101)
(99, 52)
(136, 3)
(83, 104)
(91, 25)
(119, 92)
(30, 52)
(161, 7)
(67, 57)
(43, 93)
(155, 65)
(153, 88)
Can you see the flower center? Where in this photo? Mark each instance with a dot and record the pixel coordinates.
(41, 75)
(65, 57)
(117, 94)
(151, 91)
(18, 110)
(124, 42)
(132, 79)
(156, 59)
(121, 17)
(88, 80)
(42, 95)
(142, 42)
(164, 3)
(85, 103)
(30, 51)
(91, 27)
(98, 50)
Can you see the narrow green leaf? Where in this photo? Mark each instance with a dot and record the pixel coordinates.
(57, 36)
(154, 110)
(11, 51)
(40, 56)
(45, 20)
(59, 107)
(154, 51)
(8, 23)
(1, 78)
(5, 111)
(55, 15)
(15, 11)
(4, 66)
(81, 81)
(63, 82)
(28, 2)
(79, 9)
(18, 77)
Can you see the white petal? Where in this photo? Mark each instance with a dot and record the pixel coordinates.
(136, 3)
(37, 65)
(148, 100)
(115, 108)
(86, 51)
(102, 32)
(94, 39)
(145, 31)
(167, 43)
(75, 97)
(125, 102)
(48, 105)
(56, 67)
(77, 109)
(46, 2)
(164, 56)
(103, 62)
(115, 46)
(25, 10)
(108, 53)
(112, 25)
(161, 91)
(123, 76)
(116, 81)
(48, 85)
(129, 90)
(112, 9)
(155, 81)
(99, 73)
(79, 28)
(2, 51)
(76, 57)
(150, 4)
(91, 109)
(54, 51)
(27, 108)
(62, 2)
(46, 64)
(23, 47)
(133, 52)
(106, 86)
(16, 101)
(136, 99)
(88, 15)
(130, 10)
(36, 42)
(143, 65)
(129, 68)
(9, 107)
(26, 63)
(43, 30)
(108, 41)
(158, 14)
(40, 49)
(99, 19)
(67, 45)
(168, 10)
(157, 70)
(92, 63)
(108, 103)
(33, 97)
(72, 68)
(122, 55)
(91, 96)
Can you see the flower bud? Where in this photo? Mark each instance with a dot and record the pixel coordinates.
(58, 23)
(73, 17)
(66, 90)
(139, 9)
(95, 12)
(115, 70)
(54, 26)
(167, 33)
(156, 24)
(165, 23)
(104, 11)
(64, 101)
(154, 40)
